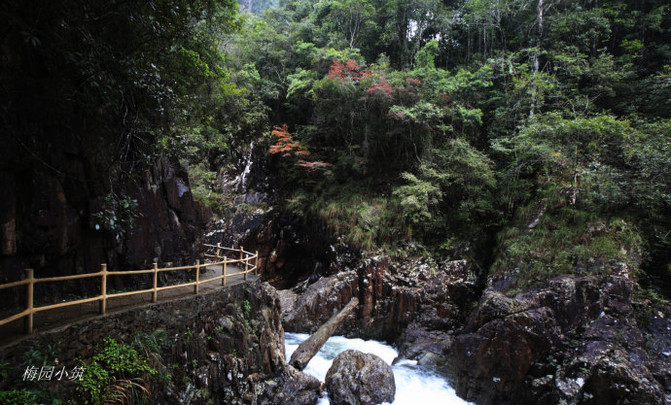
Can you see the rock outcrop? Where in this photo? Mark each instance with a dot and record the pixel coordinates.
(444, 301)
(170, 221)
(357, 378)
(411, 304)
(223, 347)
(289, 249)
(575, 341)
(384, 311)
(320, 301)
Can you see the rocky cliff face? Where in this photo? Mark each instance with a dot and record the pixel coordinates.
(66, 221)
(575, 341)
(170, 221)
(222, 347)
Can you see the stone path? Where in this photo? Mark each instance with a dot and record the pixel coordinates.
(63, 316)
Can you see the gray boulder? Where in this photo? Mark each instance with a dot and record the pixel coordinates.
(357, 378)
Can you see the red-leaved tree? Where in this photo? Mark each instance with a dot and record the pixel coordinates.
(288, 147)
(382, 87)
(350, 70)
(285, 144)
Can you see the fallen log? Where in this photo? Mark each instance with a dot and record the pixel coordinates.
(307, 350)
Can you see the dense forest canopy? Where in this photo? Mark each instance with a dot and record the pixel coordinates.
(529, 135)
(456, 124)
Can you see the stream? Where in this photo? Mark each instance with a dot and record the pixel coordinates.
(413, 382)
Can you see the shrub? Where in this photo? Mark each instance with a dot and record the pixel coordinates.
(118, 373)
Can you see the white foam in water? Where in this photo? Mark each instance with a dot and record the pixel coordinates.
(413, 382)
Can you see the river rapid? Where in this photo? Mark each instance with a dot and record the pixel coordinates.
(413, 382)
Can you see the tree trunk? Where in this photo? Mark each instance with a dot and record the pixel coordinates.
(537, 54)
(307, 350)
(539, 37)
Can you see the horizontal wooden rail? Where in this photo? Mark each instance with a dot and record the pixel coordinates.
(14, 284)
(15, 317)
(221, 260)
(66, 278)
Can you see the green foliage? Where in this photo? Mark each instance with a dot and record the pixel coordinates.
(18, 397)
(474, 114)
(425, 58)
(418, 199)
(506, 107)
(188, 334)
(118, 372)
(362, 219)
(204, 187)
(649, 302)
(24, 396)
(118, 215)
(567, 241)
(42, 355)
(246, 309)
(587, 29)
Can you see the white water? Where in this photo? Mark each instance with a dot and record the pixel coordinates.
(413, 382)
(248, 167)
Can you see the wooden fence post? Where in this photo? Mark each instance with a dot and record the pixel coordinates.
(154, 295)
(246, 266)
(256, 266)
(29, 300)
(223, 280)
(195, 288)
(242, 255)
(218, 250)
(103, 290)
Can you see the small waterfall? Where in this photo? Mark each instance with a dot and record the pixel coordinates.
(414, 383)
(239, 182)
(247, 169)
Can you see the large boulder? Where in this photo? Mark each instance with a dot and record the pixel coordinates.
(357, 378)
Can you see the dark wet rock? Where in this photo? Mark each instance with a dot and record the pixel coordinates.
(288, 300)
(657, 335)
(385, 309)
(319, 302)
(443, 301)
(293, 387)
(430, 359)
(357, 378)
(170, 221)
(416, 341)
(575, 341)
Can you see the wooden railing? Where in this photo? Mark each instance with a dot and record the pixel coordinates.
(220, 260)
